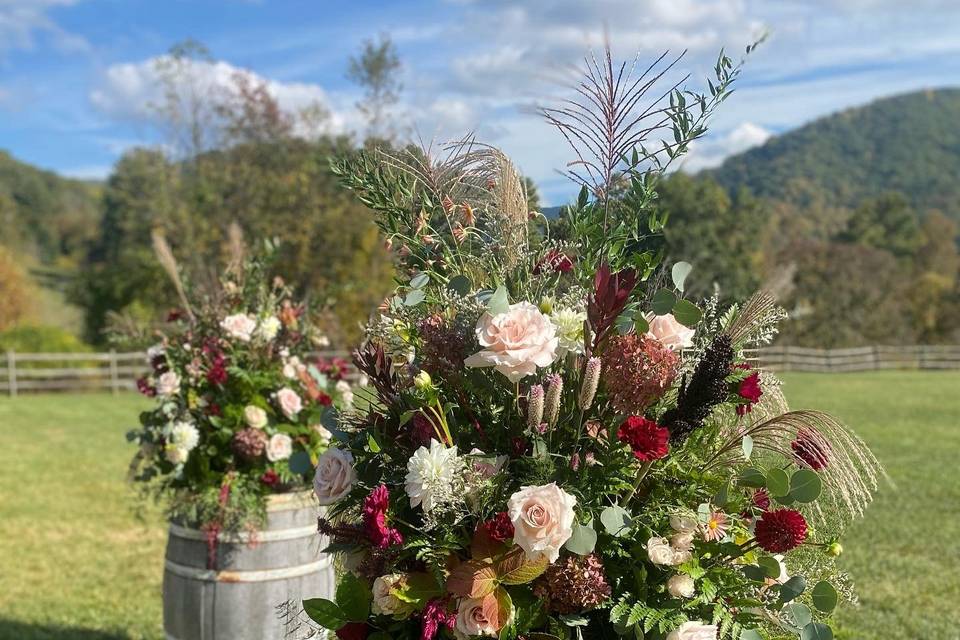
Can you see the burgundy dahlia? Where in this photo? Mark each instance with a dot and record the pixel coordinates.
(637, 370)
(499, 527)
(353, 631)
(647, 439)
(781, 530)
(270, 478)
(375, 508)
(144, 387)
(249, 443)
(574, 584)
(811, 449)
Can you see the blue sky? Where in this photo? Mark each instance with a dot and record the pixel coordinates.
(75, 75)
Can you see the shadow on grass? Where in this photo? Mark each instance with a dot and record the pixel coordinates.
(16, 630)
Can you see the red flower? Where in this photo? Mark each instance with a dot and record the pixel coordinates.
(436, 615)
(174, 314)
(324, 399)
(144, 387)
(761, 499)
(213, 409)
(781, 530)
(422, 430)
(499, 527)
(647, 439)
(749, 389)
(375, 508)
(811, 449)
(270, 478)
(555, 261)
(353, 631)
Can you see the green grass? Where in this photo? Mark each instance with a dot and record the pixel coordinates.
(75, 564)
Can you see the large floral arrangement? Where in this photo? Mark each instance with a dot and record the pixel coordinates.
(240, 402)
(561, 444)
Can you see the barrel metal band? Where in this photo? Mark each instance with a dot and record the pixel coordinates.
(244, 537)
(261, 575)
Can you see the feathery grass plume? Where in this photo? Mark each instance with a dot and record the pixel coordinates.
(169, 263)
(849, 469)
(705, 389)
(756, 320)
(236, 250)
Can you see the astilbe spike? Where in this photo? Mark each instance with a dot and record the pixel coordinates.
(705, 389)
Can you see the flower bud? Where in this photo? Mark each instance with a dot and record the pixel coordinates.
(546, 304)
(591, 378)
(552, 404)
(535, 407)
(834, 549)
(423, 381)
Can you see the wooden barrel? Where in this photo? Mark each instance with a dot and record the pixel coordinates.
(244, 598)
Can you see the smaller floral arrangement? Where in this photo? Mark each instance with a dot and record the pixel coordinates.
(240, 403)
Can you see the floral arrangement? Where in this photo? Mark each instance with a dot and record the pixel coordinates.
(561, 445)
(240, 403)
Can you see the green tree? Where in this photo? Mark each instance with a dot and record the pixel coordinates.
(887, 223)
(376, 70)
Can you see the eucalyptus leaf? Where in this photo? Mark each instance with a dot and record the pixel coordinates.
(499, 302)
(687, 313)
(640, 324)
(616, 520)
(752, 477)
(825, 597)
(460, 284)
(778, 482)
(747, 446)
(792, 588)
(663, 302)
(414, 298)
(680, 272)
(300, 463)
(582, 541)
(805, 486)
(770, 566)
(750, 634)
(799, 614)
(420, 280)
(816, 631)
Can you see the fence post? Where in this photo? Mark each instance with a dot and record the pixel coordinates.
(114, 379)
(12, 372)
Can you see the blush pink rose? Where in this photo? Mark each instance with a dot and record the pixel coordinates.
(542, 519)
(290, 403)
(515, 342)
(472, 620)
(279, 447)
(669, 332)
(239, 326)
(335, 476)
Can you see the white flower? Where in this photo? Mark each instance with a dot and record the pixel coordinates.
(384, 602)
(155, 352)
(290, 403)
(269, 328)
(569, 324)
(254, 416)
(680, 586)
(335, 476)
(321, 341)
(292, 367)
(682, 542)
(694, 631)
(471, 621)
(240, 326)
(515, 342)
(669, 332)
(431, 473)
(343, 388)
(323, 433)
(181, 438)
(280, 447)
(542, 519)
(660, 552)
(168, 384)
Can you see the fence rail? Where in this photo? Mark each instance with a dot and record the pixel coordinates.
(116, 371)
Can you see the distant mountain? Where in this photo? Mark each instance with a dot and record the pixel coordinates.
(44, 216)
(908, 143)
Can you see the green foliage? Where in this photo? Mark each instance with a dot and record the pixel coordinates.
(39, 339)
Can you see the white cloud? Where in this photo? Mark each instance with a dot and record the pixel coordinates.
(711, 151)
(88, 172)
(23, 23)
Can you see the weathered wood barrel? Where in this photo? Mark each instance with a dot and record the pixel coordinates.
(244, 597)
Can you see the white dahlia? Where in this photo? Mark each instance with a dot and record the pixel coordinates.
(569, 324)
(432, 474)
(181, 438)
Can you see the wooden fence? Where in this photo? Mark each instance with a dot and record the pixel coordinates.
(114, 371)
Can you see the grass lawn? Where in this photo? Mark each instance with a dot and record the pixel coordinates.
(75, 564)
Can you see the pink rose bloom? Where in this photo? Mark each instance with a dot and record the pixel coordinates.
(239, 326)
(290, 403)
(694, 631)
(669, 332)
(335, 476)
(515, 342)
(543, 520)
(279, 447)
(471, 619)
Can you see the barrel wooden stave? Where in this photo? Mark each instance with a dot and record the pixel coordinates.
(239, 601)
